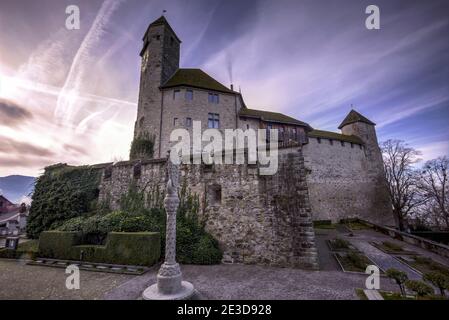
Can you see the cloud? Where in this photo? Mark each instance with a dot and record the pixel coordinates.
(11, 114)
(84, 60)
(20, 149)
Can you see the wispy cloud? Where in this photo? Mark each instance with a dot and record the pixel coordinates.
(12, 114)
(85, 58)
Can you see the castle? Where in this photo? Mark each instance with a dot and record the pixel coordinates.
(256, 218)
(345, 171)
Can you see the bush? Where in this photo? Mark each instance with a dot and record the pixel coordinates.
(136, 248)
(62, 193)
(392, 246)
(25, 250)
(421, 288)
(438, 279)
(357, 260)
(339, 243)
(399, 277)
(142, 147)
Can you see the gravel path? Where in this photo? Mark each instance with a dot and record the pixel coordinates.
(21, 281)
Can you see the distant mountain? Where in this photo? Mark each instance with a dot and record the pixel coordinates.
(15, 187)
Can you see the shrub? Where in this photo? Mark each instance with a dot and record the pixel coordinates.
(62, 193)
(142, 147)
(136, 248)
(438, 279)
(421, 288)
(339, 243)
(392, 246)
(399, 277)
(357, 260)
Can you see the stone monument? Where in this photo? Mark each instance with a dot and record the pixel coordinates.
(169, 284)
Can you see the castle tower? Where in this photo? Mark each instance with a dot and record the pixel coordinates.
(160, 60)
(360, 126)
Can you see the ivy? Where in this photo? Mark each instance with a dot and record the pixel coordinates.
(61, 193)
(142, 147)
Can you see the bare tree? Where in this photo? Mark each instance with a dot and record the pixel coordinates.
(434, 183)
(402, 179)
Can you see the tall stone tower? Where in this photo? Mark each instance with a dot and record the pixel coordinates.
(360, 126)
(160, 60)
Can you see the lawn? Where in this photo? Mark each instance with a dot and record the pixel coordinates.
(353, 261)
(424, 265)
(391, 248)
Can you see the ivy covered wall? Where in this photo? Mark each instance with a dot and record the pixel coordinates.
(61, 193)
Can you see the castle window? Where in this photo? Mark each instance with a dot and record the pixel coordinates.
(158, 37)
(281, 134)
(172, 41)
(213, 121)
(331, 142)
(137, 170)
(214, 194)
(175, 121)
(176, 94)
(108, 173)
(319, 140)
(352, 145)
(188, 122)
(213, 98)
(360, 146)
(342, 143)
(189, 95)
(247, 126)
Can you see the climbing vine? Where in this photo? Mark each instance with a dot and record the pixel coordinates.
(142, 147)
(61, 193)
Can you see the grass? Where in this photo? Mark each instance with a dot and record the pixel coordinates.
(339, 244)
(357, 226)
(360, 294)
(325, 226)
(354, 261)
(388, 295)
(424, 265)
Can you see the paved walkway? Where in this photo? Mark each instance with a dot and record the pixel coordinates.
(21, 281)
(257, 282)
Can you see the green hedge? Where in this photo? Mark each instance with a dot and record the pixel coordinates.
(61, 193)
(135, 248)
(25, 250)
(194, 245)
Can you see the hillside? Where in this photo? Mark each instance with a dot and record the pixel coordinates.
(15, 187)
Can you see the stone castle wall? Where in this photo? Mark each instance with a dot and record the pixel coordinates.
(256, 219)
(345, 182)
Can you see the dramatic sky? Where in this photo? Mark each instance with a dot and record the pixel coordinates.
(70, 95)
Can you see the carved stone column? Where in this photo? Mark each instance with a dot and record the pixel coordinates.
(169, 284)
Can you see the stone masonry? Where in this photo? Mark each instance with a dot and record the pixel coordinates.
(256, 219)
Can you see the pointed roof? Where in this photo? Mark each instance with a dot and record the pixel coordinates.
(196, 78)
(159, 22)
(271, 117)
(354, 116)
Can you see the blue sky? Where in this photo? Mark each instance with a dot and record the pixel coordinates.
(70, 96)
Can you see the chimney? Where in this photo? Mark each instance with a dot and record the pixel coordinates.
(232, 87)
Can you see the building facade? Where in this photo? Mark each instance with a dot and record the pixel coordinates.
(264, 219)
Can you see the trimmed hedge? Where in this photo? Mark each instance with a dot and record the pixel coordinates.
(25, 250)
(136, 248)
